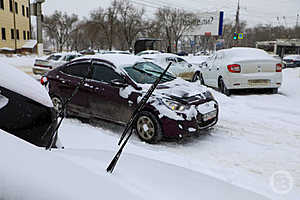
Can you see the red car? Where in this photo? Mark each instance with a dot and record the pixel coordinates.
(116, 83)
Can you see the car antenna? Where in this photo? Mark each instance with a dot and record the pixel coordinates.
(133, 117)
(61, 114)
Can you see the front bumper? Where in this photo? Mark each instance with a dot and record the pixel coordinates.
(40, 70)
(183, 128)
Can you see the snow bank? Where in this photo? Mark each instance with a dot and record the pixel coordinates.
(31, 173)
(15, 80)
(19, 61)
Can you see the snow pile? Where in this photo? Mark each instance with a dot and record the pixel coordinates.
(80, 174)
(19, 61)
(28, 172)
(17, 81)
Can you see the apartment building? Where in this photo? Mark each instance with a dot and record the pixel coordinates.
(14, 24)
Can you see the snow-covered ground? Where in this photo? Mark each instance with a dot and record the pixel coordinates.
(257, 135)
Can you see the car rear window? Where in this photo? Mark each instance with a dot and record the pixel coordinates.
(54, 57)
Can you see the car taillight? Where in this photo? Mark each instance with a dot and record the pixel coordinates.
(235, 68)
(44, 80)
(278, 67)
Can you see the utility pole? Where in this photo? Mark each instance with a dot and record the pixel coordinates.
(237, 22)
(297, 20)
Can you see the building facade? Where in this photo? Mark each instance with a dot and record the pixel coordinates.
(15, 25)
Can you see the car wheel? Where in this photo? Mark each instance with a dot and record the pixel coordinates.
(148, 128)
(198, 76)
(223, 88)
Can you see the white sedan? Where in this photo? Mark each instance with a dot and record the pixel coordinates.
(180, 67)
(241, 68)
(43, 65)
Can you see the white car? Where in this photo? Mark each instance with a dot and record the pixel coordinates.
(44, 65)
(180, 67)
(116, 52)
(148, 52)
(242, 68)
(292, 60)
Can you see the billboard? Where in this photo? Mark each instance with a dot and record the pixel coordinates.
(210, 23)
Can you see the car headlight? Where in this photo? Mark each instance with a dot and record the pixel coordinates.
(209, 95)
(175, 106)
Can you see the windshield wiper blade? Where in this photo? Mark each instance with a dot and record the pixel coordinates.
(142, 71)
(170, 76)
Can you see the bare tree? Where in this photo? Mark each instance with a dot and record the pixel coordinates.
(130, 21)
(59, 26)
(175, 22)
(106, 20)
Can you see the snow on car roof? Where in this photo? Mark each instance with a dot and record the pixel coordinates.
(17, 81)
(118, 60)
(243, 53)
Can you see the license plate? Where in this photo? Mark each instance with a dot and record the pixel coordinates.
(210, 115)
(259, 82)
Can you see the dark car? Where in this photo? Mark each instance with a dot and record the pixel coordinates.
(292, 61)
(116, 83)
(26, 110)
(182, 53)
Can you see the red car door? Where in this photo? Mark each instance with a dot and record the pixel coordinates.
(69, 78)
(107, 102)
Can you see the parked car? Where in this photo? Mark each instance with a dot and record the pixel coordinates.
(116, 52)
(26, 109)
(242, 68)
(88, 52)
(180, 67)
(43, 65)
(148, 52)
(182, 53)
(292, 60)
(116, 84)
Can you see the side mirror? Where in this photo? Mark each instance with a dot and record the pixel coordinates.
(119, 83)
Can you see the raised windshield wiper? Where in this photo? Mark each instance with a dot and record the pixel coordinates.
(143, 71)
(167, 75)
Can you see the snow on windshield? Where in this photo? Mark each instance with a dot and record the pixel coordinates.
(19, 82)
(3, 101)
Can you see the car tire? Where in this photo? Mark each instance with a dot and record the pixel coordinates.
(148, 128)
(223, 88)
(198, 76)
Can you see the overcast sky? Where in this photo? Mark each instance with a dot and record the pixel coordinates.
(276, 12)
